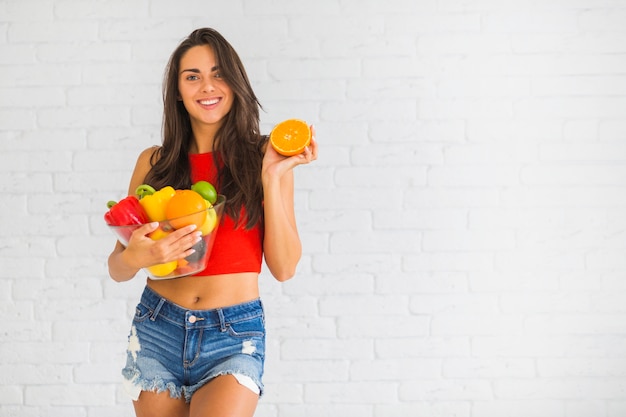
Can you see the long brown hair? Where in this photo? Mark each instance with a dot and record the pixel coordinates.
(238, 140)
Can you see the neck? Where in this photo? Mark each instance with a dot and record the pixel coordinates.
(203, 138)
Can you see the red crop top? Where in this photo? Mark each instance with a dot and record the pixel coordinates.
(235, 249)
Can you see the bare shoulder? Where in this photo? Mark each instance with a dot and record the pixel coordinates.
(147, 158)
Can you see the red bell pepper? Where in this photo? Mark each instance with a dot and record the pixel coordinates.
(128, 211)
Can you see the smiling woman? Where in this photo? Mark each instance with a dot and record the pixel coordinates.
(197, 344)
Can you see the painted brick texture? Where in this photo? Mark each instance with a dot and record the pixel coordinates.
(464, 229)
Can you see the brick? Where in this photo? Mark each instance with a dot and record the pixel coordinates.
(524, 22)
(575, 323)
(583, 152)
(397, 175)
(366, 324)
(585, 43)
(306, 371)
(467, 241)
(314, 90)
(367, 45)
(279, 7)
(531, 279)
(397, 155)
(116, 9)
(525, 132)
(72, 395)
(512, 152)
(434, 23)
(496, 87)
(451, 197)
(327, 410)
(432, 346)
(581, 367)
(516, 408)
(337, 26)
(424, 130)
(352, 392)
(465, 43)
(330, 284)
(81, 117)
(576, 175)
(326, 349)
(376, 242)
(564, 389)
(446, 390)
(21, 97)
(17, 119)
(434, 304)
(53, 31)
(48, 161)
(379, 110)
(609, 85)
(317, 69)
(44, 75)
(425, 408)
(20, 11)
(449, 262)
(392, 370)
(459, 324)
(473, 368)
(420, 219)
(11, 394)
(36, 374)
(422, 283)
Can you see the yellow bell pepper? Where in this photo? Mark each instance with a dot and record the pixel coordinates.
(154, 202)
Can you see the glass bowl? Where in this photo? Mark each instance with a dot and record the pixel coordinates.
(192, 264)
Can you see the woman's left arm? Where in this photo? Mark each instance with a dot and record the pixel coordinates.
(281, 243)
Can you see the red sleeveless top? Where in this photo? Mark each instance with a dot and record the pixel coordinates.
(235, 249)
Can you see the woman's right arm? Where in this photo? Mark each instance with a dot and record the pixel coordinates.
(141, 252)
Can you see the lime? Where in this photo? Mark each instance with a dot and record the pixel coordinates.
(206, 190)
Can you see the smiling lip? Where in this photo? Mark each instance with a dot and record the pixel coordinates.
(209, 102)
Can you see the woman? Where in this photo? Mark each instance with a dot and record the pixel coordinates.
(196, 346)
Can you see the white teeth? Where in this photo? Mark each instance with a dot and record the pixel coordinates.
(209, 102)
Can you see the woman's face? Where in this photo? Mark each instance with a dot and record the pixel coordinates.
(205, 94)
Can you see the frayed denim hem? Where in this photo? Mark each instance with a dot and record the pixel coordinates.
(188, 391)
(134, 385)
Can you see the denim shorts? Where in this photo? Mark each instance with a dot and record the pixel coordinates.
(171, 348)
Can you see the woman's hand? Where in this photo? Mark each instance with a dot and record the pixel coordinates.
(275, 165)
(142, 251)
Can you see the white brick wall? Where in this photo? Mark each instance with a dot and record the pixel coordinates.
(464, 229)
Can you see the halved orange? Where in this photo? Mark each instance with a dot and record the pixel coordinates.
(290, 137)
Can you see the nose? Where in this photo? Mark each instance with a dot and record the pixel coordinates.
(208, 86)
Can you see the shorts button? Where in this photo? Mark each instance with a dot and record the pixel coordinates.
(192, 319)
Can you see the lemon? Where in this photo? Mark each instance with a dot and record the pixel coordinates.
(211, 219)
(161, 270)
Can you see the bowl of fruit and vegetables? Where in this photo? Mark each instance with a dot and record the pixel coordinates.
(172, 209)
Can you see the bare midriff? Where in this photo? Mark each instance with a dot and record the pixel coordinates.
(209, 292)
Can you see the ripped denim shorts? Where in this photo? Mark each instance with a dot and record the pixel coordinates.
(174, 349)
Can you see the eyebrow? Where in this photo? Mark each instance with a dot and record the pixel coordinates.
(197, 71)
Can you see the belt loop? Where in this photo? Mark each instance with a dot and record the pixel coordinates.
(220, 313)
(155, 313)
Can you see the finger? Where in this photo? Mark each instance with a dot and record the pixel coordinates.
(313, 148)
(183, 231)
(145, 229)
